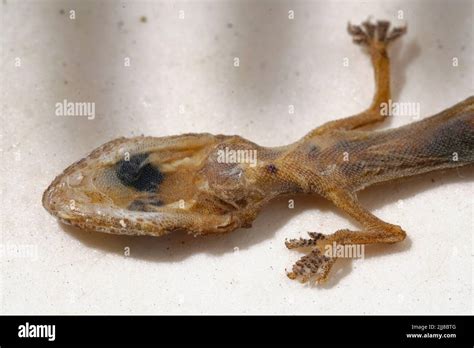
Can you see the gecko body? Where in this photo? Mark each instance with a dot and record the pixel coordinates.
(208, 184)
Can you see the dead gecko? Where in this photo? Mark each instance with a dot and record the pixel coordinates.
(206, 184)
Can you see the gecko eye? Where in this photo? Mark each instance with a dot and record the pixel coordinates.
(139, 174)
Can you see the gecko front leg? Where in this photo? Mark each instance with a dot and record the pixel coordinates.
(317, 264)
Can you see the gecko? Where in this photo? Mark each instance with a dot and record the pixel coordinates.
(205, 184)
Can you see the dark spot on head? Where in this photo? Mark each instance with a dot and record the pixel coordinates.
(61, 11)
(229, 25)
(272, 168)
(143, 19)
(128, 171)
(139, 174)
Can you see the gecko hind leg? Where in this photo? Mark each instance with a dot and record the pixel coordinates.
(376, 37)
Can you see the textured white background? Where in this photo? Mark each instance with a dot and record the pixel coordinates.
(190, 62)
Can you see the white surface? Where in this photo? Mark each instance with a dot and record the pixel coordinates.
(190, 62)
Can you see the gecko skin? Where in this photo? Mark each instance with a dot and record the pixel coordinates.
(153, 186)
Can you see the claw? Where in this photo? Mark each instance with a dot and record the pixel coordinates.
(358, 35)
(369, 28)
(396, 32)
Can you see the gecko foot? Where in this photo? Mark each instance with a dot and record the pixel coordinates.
(374, 34)
(313, 266)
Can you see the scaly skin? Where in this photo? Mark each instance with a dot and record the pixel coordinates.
(152, 186)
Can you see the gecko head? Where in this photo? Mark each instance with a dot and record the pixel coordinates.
(141, 185)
